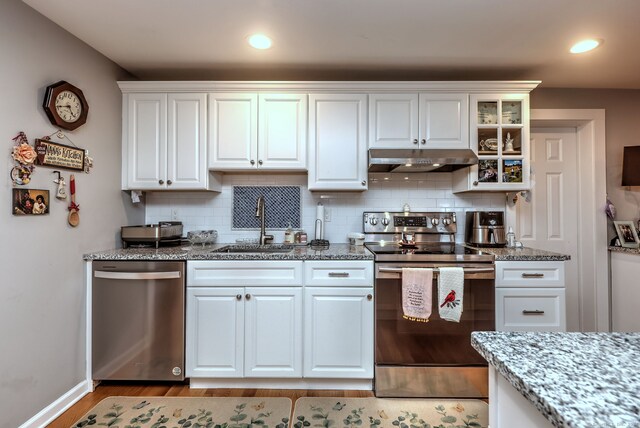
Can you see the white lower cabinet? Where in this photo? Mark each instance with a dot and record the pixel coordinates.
(338, 334)
(260, 320)
(244, 319)
(530, 296)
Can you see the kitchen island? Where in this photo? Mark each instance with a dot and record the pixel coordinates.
(582, 380)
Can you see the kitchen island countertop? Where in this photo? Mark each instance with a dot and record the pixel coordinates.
(197, 252)
(505, 254)
(574, 379)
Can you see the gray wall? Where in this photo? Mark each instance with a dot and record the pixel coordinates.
(42, 290)
(622, 129)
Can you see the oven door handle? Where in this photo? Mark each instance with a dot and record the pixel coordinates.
(436, 270)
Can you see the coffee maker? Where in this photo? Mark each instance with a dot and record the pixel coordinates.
(485, 229)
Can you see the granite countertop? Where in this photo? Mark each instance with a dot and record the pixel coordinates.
(197, 252)
(615, 249)
(523, 254)
(574, 379)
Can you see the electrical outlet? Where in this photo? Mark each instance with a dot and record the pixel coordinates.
(327, 214)
(174, 214)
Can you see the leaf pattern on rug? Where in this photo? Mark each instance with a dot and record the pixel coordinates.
(144, 414)
(346, 415)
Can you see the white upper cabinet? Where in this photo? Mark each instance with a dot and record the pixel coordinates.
(338, 142)
(419, 121)
(250, 131)
(165, 142)
(500, 136)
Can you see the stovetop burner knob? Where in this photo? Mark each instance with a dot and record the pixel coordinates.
(373, 221)
(446, 221)
(435, 221)
(385, 221)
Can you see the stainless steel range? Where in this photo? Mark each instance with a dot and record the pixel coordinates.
(432, 359)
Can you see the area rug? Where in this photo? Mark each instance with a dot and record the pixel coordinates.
(188, 412)
(389, 412)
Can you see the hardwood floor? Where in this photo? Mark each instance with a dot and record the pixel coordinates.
(105, 390)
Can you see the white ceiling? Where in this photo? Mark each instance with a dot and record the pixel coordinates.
(362, 39)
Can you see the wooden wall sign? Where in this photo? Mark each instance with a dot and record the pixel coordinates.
(59, 156)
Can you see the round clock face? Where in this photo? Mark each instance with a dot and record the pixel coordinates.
(68, 106)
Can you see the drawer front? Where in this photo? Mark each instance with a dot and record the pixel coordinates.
(531, 309)
(204, 273)
(530, 274)
(353, 273)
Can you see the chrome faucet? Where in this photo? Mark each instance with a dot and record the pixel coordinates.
(260, 213)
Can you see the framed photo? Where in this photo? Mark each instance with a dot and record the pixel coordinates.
(627, 234)
(30, 202)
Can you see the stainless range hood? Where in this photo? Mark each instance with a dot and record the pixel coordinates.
(423, 160)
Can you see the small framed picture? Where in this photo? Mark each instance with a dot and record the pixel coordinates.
(30, 202)
(627, 234)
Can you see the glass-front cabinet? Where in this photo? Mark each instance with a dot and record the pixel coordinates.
(499, 134)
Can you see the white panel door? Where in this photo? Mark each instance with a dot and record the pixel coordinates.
(233, 131)
(214, 332)
(337, 142)
(548, 220)
(147, 141)
(338, 332)
(186, 142)
(273, 332)
(282, 131)
(444, 121)
(393, 121)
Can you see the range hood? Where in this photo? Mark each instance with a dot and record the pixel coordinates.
(422, 160)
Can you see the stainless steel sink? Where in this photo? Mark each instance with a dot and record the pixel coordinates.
(254, 249)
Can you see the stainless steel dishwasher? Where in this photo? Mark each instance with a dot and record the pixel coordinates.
(138, 316)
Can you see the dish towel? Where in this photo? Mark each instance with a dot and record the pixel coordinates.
(416, 294)
(450, 293)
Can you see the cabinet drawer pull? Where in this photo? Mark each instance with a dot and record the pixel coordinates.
(338, 274)
(238, 296)
(534, 312)
(533, 275)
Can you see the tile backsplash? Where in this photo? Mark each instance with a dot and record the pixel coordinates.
(423, 192)
(282, 206)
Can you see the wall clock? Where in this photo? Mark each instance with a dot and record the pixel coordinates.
(65, 105)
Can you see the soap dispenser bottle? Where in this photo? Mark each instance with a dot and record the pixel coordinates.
(288, 235)
(511, 238)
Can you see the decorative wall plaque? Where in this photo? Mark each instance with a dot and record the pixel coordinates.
(59, 156)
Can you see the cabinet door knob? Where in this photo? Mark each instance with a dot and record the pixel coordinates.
(169, 182)
(161, 181)
(252, 162)
(423, 141)
(415, 141)
(475, 183)
(364, 182)
(238, 296)
(247, 296)
(260, 162)
(369, 297)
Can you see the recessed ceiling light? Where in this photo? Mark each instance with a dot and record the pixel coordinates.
(260, 41)
(585, 45)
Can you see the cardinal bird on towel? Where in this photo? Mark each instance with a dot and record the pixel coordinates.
(450, 300)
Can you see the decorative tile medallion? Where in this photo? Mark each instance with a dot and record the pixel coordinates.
(282, 206)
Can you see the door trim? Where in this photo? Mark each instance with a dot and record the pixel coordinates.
(593, 260)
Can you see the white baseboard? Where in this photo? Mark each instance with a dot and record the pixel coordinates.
(281, 383)
(55, 409)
